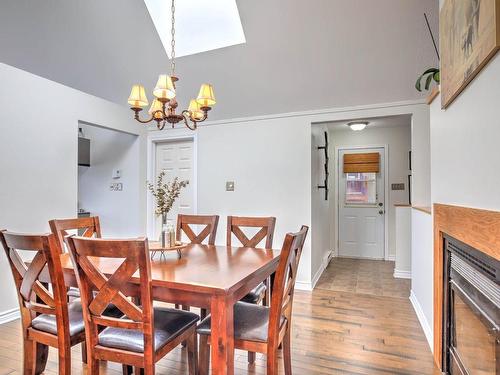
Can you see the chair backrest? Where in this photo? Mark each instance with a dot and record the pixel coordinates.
(60, 228)
(34, 296)
(130, 256)
(236, 223)
(284, 283)
(210, 222)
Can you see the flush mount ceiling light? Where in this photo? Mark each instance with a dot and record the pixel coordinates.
(357, 125)
(163, 108)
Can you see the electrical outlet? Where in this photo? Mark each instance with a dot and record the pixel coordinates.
(229, 185)
(397, 186)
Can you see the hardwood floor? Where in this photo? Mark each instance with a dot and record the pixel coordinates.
(367, 330)
(363, 276)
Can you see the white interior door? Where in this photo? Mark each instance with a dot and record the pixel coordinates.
(176, 159)
(361, 210)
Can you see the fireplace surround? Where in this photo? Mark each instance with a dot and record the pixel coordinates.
(466, 295)
(471, 305)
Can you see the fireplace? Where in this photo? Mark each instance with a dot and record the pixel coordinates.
(471, 304)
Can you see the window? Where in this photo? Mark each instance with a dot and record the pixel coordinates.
(361, 188)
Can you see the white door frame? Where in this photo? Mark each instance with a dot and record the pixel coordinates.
(386, 194)
(153, 140)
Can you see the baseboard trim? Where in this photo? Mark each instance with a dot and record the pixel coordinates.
(391, 258)
(9, 315)
(309, 286)
(398, 274)
(326, 260)
(426, 327)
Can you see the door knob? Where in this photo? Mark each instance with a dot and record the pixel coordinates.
(381, 212)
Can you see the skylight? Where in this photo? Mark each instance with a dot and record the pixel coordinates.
(200, 25)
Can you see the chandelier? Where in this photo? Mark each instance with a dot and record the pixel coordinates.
(164, 106)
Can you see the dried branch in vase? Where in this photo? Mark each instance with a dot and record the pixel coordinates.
(165, 193)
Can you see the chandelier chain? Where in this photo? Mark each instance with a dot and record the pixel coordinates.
(172, 42)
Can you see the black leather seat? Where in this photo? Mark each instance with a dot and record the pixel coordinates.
(256, 295)
(250, 322)
(73, 292)
(169, 323)
(47, 323)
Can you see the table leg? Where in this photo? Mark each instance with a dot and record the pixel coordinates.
(222, 336)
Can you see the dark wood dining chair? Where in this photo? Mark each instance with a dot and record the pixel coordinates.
(184, 223)
(143, 335)
(260, 328)
(236, 226)
(90, 226)
(47, 319)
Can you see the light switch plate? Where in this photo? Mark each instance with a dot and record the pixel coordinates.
(116, 186)
(229, 185)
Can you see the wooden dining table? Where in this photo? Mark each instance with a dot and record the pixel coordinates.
(206, 276)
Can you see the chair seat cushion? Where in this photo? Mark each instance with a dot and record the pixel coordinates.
(168, 323)
(47, 323)
(256, 295)
(250, 322)
(73, 292)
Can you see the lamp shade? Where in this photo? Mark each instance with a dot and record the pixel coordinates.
(156, 106)
(206, 97)
(137, 98)
(194, 110)
(164, 87)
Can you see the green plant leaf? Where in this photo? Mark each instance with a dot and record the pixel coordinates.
(428, 81)
(437, 76)
(417, 84)
(430, 70)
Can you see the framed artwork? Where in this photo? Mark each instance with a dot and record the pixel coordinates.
(469, 37)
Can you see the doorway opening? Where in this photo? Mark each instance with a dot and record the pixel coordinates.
(370, 171)
(109, 179)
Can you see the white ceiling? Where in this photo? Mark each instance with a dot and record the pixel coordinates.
(373, 122)
(298, 55)
(200, 25)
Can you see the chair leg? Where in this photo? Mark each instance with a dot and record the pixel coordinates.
(149, 370)
(192, 346)
(287, 352)
(92, 365)
(251, 358)
(204, 355)
(64, 352)
(272, 362)
(185, 308)
(84, 351)
(35, 357)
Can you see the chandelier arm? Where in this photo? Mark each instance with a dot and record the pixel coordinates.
(162, 126)
(186, 121)
(136, 117)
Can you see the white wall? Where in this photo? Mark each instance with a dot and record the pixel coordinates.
(38, 154)
(464, 144)
(402, 265)
(398, 139)
(269, 162)
(120, 212)
(422, 283)
(320, 208)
